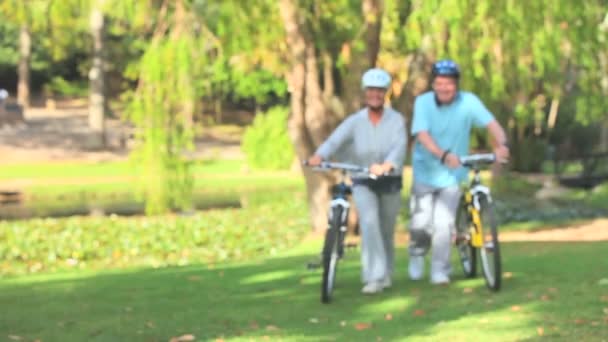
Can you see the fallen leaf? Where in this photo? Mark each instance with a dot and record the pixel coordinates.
(467, 290)
(544, 298)
(362, 326)
(150, 324)
(183, 338)
(507, 275)
(388, 317)
(15, 337)
(419, 313)
(272, 328)
(540, 331)
(254, 325)
(379, 339)
(579, 321)
(595, 323)
(552, 290)
(515, 308)
(530, 295)
(314, 320)
(195, 278)
(605, 311)
(343, 323)
(604, 298)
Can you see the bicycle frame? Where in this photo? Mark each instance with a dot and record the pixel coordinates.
(339, 199)
(471, 201)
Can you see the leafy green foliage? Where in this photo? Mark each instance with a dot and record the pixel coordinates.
(269, 226)
(266, 142)
(61, 87)
(163, 108)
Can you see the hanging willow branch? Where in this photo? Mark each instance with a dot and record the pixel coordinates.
(163, 107)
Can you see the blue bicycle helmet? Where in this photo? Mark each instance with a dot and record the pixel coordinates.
(446, 67)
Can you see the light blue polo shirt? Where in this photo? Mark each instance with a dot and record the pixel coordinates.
(450, 127)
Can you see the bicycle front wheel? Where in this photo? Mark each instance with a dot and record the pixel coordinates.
(466, 251)
(490, 251)
(331, 255)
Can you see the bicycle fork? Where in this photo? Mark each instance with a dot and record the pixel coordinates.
(342, 227)
(340, 234)
(475, 233)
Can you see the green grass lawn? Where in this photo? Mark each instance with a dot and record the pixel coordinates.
(101, 169)
(555, 291)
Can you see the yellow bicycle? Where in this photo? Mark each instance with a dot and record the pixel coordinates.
(476, 227)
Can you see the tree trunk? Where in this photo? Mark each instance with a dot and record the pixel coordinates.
(306, 125)
(418, 75)
(361, 60)
(25, 52)
(313, 114)
(97, 94)
(372, 12)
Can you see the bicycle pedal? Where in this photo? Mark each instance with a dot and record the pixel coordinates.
(461, 238)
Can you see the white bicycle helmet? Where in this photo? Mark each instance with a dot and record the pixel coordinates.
(376, 78)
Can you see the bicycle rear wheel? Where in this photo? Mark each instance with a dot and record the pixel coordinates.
(466, 252)
(490, 252)
(331, 255)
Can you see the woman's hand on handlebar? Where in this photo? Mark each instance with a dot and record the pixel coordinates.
(380, 169)
(315, 160)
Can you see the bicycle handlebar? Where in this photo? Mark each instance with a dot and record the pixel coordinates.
(479, 159)
(342, 167)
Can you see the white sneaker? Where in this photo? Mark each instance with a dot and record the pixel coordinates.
(416, 267)
(440, 279)
(387, 283)
(373, 287)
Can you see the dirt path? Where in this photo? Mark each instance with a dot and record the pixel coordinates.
(60, 135)
(594, 230)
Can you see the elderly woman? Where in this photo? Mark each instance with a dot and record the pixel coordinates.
(376, 135)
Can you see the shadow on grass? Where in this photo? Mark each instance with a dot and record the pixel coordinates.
(550, 290)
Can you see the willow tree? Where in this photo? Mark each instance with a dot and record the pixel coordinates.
(164, 103)
(522, 58)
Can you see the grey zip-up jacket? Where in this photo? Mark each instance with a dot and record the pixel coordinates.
(358, 141)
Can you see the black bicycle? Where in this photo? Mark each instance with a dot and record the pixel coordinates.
(333, 247)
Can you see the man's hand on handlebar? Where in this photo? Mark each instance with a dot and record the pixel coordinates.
(452, 161)
(502, 154)
(315, 160)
